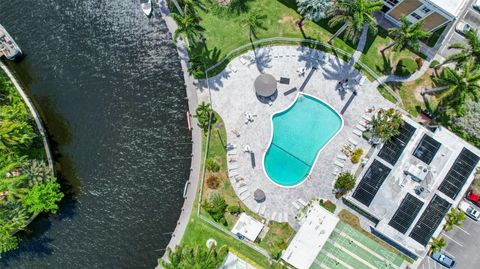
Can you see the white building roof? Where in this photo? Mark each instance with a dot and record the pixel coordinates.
(450, 6)
(248, 227)
(310, 238)
(234, 262)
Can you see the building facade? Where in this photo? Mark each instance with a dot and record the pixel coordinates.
(435, 13)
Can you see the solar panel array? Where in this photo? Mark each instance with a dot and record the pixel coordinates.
(426, 149)
(371, 182)
(459, 173)
(406, 213)
(392, 150)
(430, 219)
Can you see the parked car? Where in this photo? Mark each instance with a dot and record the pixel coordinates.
(443, 259)
(474, 198)
(469, 210)
(463, 27)
(476, 5)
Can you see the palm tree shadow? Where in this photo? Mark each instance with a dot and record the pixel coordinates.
(239, 7)
(263, 58)
(386, 67)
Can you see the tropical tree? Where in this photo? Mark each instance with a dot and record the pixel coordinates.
(254, 21)
(386, 124)
(470, 122)
(354, 16)
(43, 198)
(467, 51)
(187, 25)
(454, 218)
(407, 35)
(202, 113)
(437, 244)
(457, 87)
(198, 257)
(345, 182)
(7, 240)
(38, 172)
(314, 10)
(15, 134)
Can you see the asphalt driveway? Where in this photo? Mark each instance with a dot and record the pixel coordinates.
(463, 247)
(472, 17)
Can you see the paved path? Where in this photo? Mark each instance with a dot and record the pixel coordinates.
(188, 205)
(413, 77)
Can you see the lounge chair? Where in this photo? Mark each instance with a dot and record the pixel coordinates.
(339, 164)
(233, 68)
(361, 128)
(362, 80)
(236, 132)
(274, 215)
(296, 205)
(302, 202)
(262, 209)
(257, 208)
(341, 157)
(232, 173)
(367, 117)
(242, 190)
(335, 172)
(243, 60)
(357, 132)
(353, 142)
(232, 152)
(244, 196)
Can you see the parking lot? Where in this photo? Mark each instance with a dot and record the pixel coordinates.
(472, 17)
(462, 246)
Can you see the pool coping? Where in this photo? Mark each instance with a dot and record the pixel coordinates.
(319, 151)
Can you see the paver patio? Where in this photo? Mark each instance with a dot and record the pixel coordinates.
(233, 95)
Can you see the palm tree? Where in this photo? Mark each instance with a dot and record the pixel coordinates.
(187, 25)
(454, 218)
(202, 113)
(254, 21)
(437, 244)
(177, 6)
(458, 86)
(15, 133)
(194, 257)
(407, 35)
(353, 16)
(386, 124)
(468, 50)
(314, 10)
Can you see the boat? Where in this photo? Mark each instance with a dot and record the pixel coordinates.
(8, 48)
(147, 8)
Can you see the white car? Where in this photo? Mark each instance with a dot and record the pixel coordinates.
(469, 210)
(476, 5)
(462, 27)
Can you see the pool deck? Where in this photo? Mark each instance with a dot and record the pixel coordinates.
(232, 96)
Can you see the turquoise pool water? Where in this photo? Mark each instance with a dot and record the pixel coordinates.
(299, 133)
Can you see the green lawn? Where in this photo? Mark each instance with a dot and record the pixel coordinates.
(277, 237)
(382, 64)
(198, 232)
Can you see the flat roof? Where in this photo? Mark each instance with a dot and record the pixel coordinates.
(247, 227)
(309, 240)
(451, 6)
(232, 261)
(411, 223)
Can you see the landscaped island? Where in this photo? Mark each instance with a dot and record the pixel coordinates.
(28, 185)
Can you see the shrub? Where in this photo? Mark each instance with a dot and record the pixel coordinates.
(216, 207)
(406, 67)
(328, 205)
(356, 155)
(212, 165)
(345, 182)
(434, 63)
(419, 62)
(212, 182)
(234, 210)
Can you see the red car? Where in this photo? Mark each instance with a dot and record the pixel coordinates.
(474, 198)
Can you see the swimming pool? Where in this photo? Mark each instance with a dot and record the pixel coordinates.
(299, 133)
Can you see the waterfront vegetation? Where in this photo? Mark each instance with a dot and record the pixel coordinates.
(199, 257)
(27, 184)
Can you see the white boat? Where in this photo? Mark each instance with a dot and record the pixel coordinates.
(147, 8)
(8, 47)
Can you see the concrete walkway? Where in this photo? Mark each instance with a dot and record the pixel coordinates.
(413, 77)
(188, 204)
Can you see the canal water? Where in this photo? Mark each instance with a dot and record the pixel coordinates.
(108, 84)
